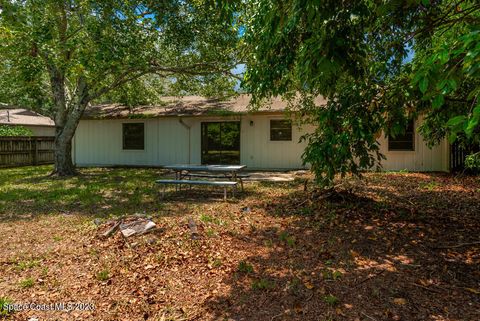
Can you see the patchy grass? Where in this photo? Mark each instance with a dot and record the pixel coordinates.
(29, 191)
(27, 283)
(103, 275)
(4, 302)
(245, 267)
(396, 246)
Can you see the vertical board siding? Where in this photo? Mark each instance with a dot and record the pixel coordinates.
(422, 159)
(20, 151)
(41, 130)
(168, 141)
(171, 140)
(99, 142)
(258, 151)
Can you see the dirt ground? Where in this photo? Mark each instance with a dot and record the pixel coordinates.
(394, 246)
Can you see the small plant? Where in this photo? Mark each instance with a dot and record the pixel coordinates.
(283, 236)
(210, 219)
(336, 275)
(215, 263)
(330, 299)
(262, 284)
(45, 271)
(307, 211)
(4, 302)
(27, 283)
(245, 267)
(294, 286)
(210, 233)
(94, 252)
(291, 241)
(472, 161)
(429, 186)
(268, 243)
(25, 265)
(57, 238)
(103, 275)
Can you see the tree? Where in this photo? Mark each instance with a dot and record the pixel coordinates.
(65, 54)
(378, 63)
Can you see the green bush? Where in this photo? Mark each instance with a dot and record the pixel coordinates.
(8, 130)
(473, 161)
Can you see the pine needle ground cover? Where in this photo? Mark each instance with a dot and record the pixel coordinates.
(396, 246)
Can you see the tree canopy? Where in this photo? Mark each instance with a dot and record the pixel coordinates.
(377, 63)
(64, 54)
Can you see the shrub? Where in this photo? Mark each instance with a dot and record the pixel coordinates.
(8, 130)
(472, 161)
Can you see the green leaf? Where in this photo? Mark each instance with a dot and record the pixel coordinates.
(438, 101)
(476, 110)
(472, 124)
(452, 137)
(455, 121)
(423, 85)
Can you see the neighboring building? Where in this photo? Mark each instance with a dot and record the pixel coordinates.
(196, 130)
(38, 124)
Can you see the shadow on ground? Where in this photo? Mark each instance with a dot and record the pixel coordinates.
(400, 247)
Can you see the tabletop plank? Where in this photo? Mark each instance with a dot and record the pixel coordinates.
(212, 168)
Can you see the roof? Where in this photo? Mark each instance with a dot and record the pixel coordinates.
(21, 116)
(186, 106)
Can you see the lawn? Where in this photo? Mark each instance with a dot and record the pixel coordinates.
(394, 246)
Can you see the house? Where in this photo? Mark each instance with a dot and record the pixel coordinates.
(38, 124)
(198, 130)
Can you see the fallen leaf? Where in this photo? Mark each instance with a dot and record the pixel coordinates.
(473, 290)
(399, 301)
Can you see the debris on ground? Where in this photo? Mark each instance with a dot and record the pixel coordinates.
(128, 226)
(193, 229)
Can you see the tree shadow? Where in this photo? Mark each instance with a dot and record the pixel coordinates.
(393, 249)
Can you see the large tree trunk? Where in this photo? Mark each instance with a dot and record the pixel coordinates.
(63, 141)
(67, 117)
(63, 155)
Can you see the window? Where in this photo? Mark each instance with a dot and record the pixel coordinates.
(403, 141)
(134, 136)
(280, 130)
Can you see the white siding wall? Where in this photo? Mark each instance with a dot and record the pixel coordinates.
(41, 130)
(257, 151)
(168, 141)
(99, 142)
(422, 159)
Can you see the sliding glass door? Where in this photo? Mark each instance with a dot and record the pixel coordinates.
(221, 143)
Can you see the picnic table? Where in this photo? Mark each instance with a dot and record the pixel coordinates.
(182, 170)
(228, 172)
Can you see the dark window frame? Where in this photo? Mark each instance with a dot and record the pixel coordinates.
(274, 137)
(408, 138)
(126, 144)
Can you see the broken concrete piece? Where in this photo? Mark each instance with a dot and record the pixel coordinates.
(138, 226)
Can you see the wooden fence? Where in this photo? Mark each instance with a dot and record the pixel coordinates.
(21, 151)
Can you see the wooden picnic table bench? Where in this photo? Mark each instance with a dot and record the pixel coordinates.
(181, 182)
